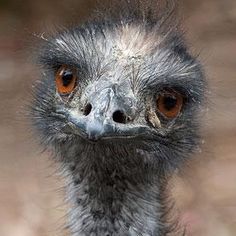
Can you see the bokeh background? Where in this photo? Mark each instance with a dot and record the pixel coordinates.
(31, 191)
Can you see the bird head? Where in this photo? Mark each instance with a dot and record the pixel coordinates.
(124, 86)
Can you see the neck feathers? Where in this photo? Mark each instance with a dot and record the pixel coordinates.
(112, 198)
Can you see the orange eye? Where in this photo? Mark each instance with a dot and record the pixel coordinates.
(169, 103)
(65, 80)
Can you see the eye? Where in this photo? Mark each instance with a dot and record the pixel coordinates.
(170, 103)
(65, 79)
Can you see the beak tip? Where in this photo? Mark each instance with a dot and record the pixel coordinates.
(94, 131)
(93, 137)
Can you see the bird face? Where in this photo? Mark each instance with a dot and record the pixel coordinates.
(121, 86)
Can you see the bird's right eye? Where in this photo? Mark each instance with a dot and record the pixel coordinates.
(65, 79)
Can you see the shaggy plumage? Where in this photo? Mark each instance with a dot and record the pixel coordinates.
(117, 168)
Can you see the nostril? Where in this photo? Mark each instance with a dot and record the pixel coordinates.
(87, 109)
(119, 117)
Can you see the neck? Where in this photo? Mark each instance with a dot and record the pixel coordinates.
(111, 195)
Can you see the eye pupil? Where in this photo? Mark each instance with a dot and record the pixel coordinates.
(67, 78)
(169, 103)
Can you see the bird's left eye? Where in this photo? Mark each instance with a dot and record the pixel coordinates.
(65, 80)
(169, 103)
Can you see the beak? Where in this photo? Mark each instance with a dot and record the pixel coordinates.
(107, 115)
(96, 126)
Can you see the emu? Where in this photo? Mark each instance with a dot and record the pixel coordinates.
(118, 103)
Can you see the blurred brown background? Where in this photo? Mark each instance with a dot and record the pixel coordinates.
(30, 190)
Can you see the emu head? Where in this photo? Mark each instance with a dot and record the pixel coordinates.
(119, 101)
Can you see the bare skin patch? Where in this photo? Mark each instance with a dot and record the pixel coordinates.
(153, 118)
